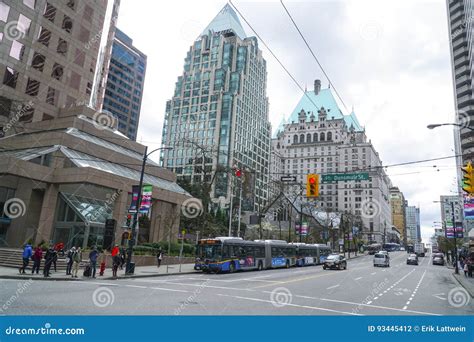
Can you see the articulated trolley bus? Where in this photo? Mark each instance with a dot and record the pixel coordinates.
(229, 254)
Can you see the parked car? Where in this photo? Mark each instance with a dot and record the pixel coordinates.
(381, 259)
(412, 259)
(402, 248)
(438, 259)
(335, 261)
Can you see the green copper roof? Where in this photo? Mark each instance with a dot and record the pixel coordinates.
(324, 99)
(226, 19)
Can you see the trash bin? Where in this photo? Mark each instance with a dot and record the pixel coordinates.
(130, 268)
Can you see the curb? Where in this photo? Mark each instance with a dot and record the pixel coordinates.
(471, 292)
(149, 275)
(26, 277)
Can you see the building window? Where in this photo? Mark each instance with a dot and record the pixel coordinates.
(295, 139)
(80, 57)
(4, 10)
(301, 138)
(38, 61)
(57, 72)
(49, 12)
(17, 50)
(88, 13)
(32, 87)
(51, 96)
(62, 47)
(75, 80)
(67, 24)
(10, 77)
(329, 136)
(322, 137)
(30, 3)
(44, 36)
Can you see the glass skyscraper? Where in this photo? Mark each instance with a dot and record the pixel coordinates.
(124, 90)
(217, 119)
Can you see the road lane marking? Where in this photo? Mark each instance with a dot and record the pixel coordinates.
(319, 275)
(373, 273)
(416, 289)
(209, 286)
(292, 305)
(136, 286)
(358, 278)
(172, 290)
(333, 287)
(368, 304)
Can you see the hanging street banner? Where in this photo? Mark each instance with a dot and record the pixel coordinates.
(134, 204)
(145, 204)
(451, 232)
(304, 229)
(340, 177)
(468, 207)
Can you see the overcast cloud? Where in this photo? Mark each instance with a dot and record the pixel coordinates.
(389, 60)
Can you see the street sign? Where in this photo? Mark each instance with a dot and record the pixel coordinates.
(340, 177)
(288, 179)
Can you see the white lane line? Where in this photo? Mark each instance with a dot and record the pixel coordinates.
(207, 286)
(358, 278)
(366, 304)
(333, 287)
(93, 283)
(136, 286)
(416, 289)
(405, 307)
(163, 289)
(292, 305)
(373, 273)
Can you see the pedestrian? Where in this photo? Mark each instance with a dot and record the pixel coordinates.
(116, 261)
(69, 260)
(122, 257)
(103, 258)
(470, 267)
(37, 256)
(115, 251)
(27, 253)
(93, 255)
(76, 258)
(48, 260)
(55, 259)
(159, 257)
(466, 269)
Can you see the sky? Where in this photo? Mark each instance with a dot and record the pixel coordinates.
(389, 60)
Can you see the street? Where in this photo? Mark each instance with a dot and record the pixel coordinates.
(360, 290)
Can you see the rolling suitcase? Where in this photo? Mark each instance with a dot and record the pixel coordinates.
(87, 271)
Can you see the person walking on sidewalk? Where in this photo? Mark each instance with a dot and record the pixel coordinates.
(159, 257)
(27, 253)
(48, 260)
(93, 255)
(76, 259)
(37, 256)
(69, 260)
(55, 259)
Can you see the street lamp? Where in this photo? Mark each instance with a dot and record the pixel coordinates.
(131, 242)
(433, 126)
(453, 218)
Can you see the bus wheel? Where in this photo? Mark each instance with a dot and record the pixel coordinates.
(287, 264)
(231, 267)
(260, 266)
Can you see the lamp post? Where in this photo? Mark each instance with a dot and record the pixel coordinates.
(131, 242)
(433, 126)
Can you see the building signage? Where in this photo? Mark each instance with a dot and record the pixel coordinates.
(340, 177)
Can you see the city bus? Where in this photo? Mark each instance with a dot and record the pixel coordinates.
(311, 254)
(391, 247)
(229, 254)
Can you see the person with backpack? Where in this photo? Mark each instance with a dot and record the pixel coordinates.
(27, 253)
(37, 256)
(69, 260)
(76, 259)
(93, 255)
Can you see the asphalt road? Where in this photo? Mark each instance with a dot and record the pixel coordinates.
(362, 289)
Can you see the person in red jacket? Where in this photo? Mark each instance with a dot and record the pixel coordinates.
(37, 256)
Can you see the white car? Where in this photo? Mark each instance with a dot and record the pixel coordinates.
(381, 259)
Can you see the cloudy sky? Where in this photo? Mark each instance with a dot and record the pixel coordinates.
(387, 59)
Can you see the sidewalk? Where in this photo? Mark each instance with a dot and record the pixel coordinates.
(140, 272)
(467, 283)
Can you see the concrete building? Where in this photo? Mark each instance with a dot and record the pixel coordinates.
(412, 214)
(217, 119)
(54, 55)
(64, 178)
(125, 83)
(397, 203)
(319, 138)
(447, 212)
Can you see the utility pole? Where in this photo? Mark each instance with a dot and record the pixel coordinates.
(456, 268)
(230, 206)
(240, 207)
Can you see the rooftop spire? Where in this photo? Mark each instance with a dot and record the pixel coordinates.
(226, 19)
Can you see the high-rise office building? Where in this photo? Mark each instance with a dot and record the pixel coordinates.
(54, 54)
(412, 214)
(397, 203)
(125, 82)
(217, 119)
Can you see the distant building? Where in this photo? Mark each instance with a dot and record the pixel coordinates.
(323, 140)
(55, 54)
(125, 83)
(397, 203)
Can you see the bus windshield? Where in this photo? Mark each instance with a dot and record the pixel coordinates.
(209, 251)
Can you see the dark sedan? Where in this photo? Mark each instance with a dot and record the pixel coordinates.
(335, 261)
(412, 259)
(438, 259)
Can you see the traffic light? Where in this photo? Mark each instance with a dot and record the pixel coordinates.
(468, 179)
(312, 185)
(238, 173)
(129, 220)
